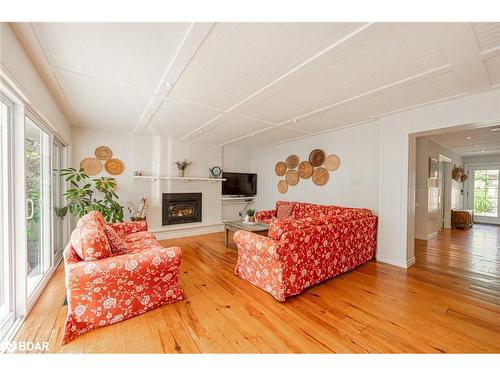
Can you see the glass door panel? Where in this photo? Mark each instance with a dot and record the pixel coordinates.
(485, 192)
(36, 172)
(5, 256)
(57, 201)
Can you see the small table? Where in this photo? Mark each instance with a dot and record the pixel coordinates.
(233, 226)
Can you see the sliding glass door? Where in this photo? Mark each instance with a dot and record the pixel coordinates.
(483, 193)
(6, 306)
(57, 201)
(37, 184)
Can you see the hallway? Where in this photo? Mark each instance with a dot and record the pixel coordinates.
(464, 261)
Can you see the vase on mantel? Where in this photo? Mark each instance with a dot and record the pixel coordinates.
(181, 172)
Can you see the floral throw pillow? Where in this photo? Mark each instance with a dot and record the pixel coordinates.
(118, 246)
(284, 211)
(90, 241)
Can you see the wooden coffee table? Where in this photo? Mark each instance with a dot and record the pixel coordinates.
(233, 226)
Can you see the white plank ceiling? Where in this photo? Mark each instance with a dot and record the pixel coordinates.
(256, 84)
(472, 142)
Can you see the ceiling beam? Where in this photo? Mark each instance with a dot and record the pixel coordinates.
(189, 46)
(459, 44)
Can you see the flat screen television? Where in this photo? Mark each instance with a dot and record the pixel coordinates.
(239, 184)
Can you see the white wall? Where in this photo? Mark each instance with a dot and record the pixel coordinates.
(354, 184)
(379, 166)
(396, 200)
(18, 68)
(235, 159)
(427, 192)
(155, 155)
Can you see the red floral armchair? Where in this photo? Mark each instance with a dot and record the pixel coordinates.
(115, 272)
(313, 245)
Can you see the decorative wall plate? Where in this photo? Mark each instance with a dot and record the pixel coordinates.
(103, 153)
(282, 186)
(305, 169)
(320, 176)
(292, 177)
(114, 166)
(280, 168)
(292, 161)
(332, 162)
(91, 166)
(316, 157)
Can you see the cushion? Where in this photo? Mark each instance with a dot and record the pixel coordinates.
(138, 236)
(277, 227)
(93, 216)
(284, 211)
(90, 241)
(118, 246)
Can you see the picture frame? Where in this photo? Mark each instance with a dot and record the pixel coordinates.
(433, 168)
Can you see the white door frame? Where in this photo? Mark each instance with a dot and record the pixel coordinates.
(445, 206)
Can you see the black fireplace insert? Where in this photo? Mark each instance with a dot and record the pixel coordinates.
(181, 208)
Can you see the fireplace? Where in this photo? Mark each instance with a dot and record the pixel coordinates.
(181, 208)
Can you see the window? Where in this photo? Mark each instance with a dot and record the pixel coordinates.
(486, 192)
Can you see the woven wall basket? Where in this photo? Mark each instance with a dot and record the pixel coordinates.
(292, 161)
(320, 176)
(305, 169)
(292, 177)
(103, 153)
(114, 166)
(91, 166)
(316, 157)
(332, 162)
(280, 168)
(282, 186)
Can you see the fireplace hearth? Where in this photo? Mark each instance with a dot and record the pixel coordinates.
(181, 208)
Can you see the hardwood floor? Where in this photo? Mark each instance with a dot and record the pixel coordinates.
(448, 302)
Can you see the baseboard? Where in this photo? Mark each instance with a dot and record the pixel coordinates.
(190, 231)
(426, 237)
(397, 262)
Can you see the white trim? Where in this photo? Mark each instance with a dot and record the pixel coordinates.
(426, 237)
(191, 230)
(403, 263)
(187, 179)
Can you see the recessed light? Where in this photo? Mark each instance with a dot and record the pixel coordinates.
(253, 135)
(482, 150)
(168, 84)
(469, 137)
(294, 121)
(495, 129)
(476, 145)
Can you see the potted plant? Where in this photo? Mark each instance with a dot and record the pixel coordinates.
(87, 195)
(182, 165)
(250, 215)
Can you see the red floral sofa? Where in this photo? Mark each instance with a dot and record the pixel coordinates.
(114, 272)
(315, 243)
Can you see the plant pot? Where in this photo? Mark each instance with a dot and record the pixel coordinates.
(181, 172)
(138, 219)
(251, 219)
